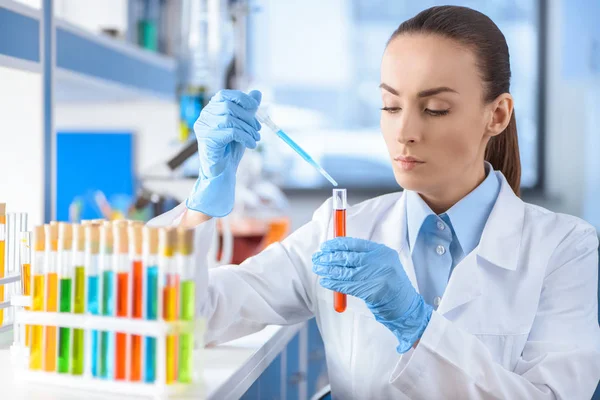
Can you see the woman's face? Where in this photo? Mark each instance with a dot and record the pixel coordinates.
(434, 119)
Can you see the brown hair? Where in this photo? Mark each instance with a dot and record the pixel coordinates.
(478, 32)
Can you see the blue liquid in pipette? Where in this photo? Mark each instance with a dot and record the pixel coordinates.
(152, 314)
(288, 140)
(94, 309)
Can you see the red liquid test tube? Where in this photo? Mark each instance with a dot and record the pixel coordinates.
(339, 230)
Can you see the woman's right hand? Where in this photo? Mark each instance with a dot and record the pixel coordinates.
(224, 129)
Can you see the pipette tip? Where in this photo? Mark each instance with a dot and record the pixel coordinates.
(327, 176)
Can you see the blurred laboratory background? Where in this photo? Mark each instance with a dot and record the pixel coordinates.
(96, 111)
(98, 101)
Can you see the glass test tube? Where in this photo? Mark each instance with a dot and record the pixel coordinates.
(167, 240)
(51, 272)
(78, 353)
(10, 259)
(339, 229)
(137, 296)
(186, 267)
(107, 340)
(151, 289)
(65, 272)
(92, 271)
(22, 219)
(122, 265)
(25, 257)
(37, 270)
(2, 255)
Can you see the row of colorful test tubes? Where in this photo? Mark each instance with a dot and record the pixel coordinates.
(115, 269)
(11, 225)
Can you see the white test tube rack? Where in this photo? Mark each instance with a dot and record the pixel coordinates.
(6, 304)
(159, 389)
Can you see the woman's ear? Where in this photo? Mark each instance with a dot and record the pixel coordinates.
(501, 111)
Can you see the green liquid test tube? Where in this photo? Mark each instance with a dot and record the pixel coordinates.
(185, 265)
(65, 262)
(77, 361)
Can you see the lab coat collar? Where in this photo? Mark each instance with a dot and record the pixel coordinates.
(501, 239)
(499, 246)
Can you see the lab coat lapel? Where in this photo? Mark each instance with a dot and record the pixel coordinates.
(395, 236)
(499, 247)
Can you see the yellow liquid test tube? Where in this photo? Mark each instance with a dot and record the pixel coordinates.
(51, 272)
(37, 271)
(167, 239)
(25, 259)
(2, 254)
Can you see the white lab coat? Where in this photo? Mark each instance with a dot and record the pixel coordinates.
(518, 319)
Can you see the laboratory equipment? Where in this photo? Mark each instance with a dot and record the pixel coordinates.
(51, 274)
(92, 270)
(122, 265)
(339, 230)
(66, 271)
(152, 296)
(137, 296)
(265, 119)
(38, 269)
(107, 339)
(186, 267)
(167, 238)
(78, 354)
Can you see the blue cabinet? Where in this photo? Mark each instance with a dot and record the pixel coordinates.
(317, 366)
(295, 374)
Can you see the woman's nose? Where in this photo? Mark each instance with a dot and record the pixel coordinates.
(409, 129)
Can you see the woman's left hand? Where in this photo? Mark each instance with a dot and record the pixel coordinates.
(373, 273)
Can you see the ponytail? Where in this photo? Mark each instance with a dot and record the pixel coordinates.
(503, 153)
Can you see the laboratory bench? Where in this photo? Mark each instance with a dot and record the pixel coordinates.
(276, 363)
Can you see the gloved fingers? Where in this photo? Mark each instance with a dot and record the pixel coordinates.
(348, 259)
(247, 101)
(206, 125)
(349, 244)
(229, 108)
(339, 286)
(228, 135)
(335, 272)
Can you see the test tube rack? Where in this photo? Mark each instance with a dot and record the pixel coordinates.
(6, 305)
(157, 329)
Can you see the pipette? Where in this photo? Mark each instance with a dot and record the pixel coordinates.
(264, 118)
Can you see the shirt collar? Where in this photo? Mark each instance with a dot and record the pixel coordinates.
(468, 216)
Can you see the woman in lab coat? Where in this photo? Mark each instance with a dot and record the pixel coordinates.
(456, 288)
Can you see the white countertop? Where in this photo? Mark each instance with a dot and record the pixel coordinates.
(229, 369)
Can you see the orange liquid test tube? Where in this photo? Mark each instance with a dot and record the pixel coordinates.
(51, 266)
(123, 267)
(167, 242)
(2, 254)
(37, 270)
(339, 230)
(135, 250)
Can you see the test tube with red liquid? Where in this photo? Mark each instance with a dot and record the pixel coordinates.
(339, 229)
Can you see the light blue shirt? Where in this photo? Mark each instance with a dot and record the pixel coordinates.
(439, 242)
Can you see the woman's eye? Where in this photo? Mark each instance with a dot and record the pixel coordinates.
(436, 113)
(391, 110)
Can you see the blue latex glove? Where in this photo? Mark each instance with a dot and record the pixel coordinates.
(224, 129)
(373, 273)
